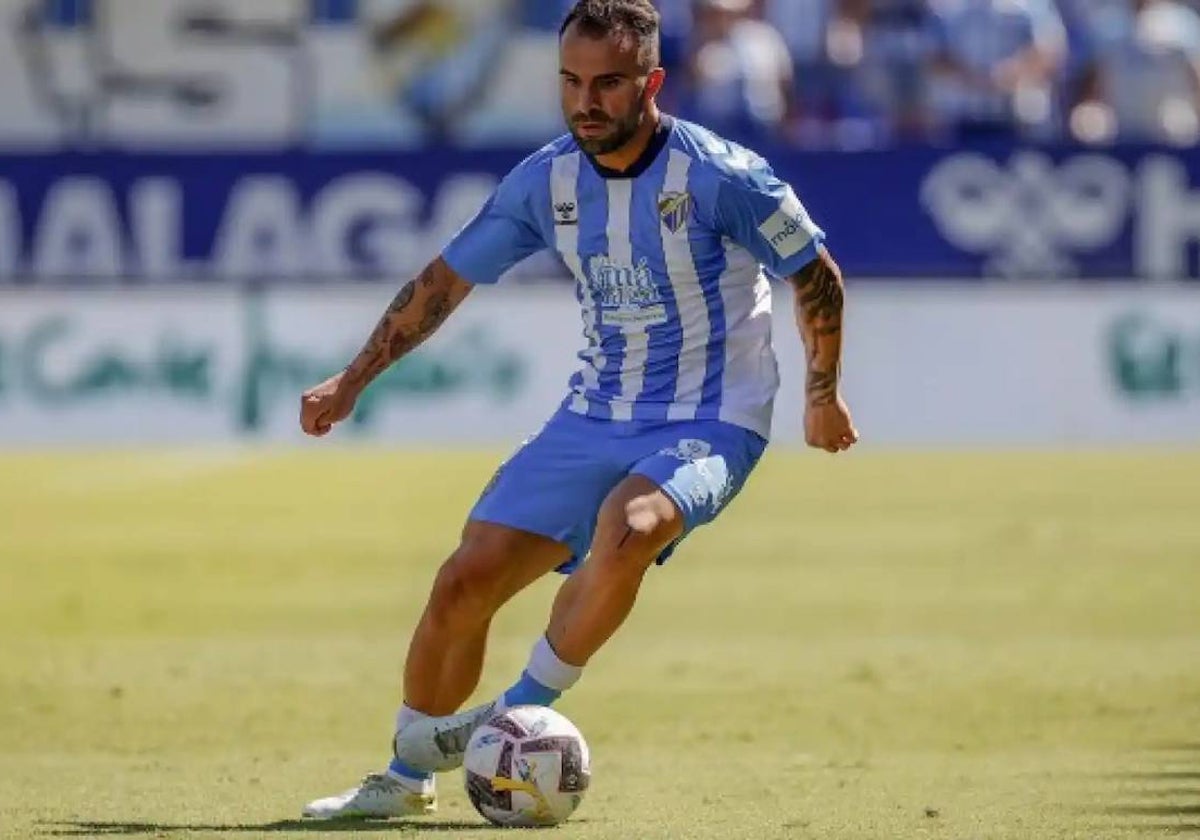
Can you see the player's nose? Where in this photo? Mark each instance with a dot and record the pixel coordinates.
(586, 100)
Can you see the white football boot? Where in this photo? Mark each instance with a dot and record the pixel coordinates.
(437, 744)
(377, 797)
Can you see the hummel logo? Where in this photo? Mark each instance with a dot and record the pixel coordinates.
(564, 213)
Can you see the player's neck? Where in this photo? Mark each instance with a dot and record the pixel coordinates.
(626, 156)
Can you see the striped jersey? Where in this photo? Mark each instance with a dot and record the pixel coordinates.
(670, 259)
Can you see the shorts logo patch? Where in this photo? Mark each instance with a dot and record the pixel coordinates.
(689, 449)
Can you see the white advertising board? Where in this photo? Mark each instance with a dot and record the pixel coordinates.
(924, 366)
(158, 366)
(1076, 365)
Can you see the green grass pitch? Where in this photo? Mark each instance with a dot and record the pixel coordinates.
(879, 645)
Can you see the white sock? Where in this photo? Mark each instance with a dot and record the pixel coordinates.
(404, 717)
(407, 715)
(545, 667)
(544, 679)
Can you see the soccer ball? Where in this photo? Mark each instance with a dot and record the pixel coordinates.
(526, 766)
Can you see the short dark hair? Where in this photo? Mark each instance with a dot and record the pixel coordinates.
(637, 19)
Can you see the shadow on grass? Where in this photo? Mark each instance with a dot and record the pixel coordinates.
(1159, 829)
(1173, 803)
(90, 828)
(1161, 776)
(1155, 811)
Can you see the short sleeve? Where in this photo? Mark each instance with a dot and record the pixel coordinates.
(503, 233)
(762, 214)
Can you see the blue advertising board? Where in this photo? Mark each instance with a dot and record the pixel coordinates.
(987, 212)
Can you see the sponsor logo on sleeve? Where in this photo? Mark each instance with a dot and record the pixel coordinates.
(789, 229)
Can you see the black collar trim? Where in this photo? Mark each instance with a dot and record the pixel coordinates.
(657, 143)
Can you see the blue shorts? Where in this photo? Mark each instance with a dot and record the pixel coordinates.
(555, 483)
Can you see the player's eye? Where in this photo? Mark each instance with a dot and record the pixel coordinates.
(570, 81)
(609, 84)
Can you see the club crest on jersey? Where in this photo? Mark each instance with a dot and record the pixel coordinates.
(674, 208)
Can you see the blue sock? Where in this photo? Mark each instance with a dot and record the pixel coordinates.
(401, 769)
(529, 692)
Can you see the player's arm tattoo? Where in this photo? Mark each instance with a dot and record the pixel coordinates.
(820, 298)
(418, 309)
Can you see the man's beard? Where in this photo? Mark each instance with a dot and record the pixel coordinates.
(623, 130)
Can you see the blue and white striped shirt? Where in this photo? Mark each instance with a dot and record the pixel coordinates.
(668, 259)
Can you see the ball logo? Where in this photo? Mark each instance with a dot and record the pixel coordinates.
(1030, 217)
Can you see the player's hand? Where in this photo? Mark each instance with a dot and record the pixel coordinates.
(829, 426)
(325, 405)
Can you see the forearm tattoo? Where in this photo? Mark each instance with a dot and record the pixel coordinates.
(819, 296)
(418, 309)
(820, 300)
(821, 387)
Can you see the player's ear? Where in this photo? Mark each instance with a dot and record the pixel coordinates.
(655, 81)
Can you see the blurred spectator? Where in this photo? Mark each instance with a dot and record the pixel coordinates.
(1143, 79)
(676, 22)
(881, 48)
(996, 65)
(437, 55)
(740, 72)
(818, 73)
(804, 25)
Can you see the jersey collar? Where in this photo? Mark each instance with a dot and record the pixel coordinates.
(657, 142)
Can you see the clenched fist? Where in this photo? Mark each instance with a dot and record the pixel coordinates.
(326, 405)
(828, 426)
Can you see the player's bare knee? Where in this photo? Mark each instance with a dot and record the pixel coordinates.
(626, 557)
(449, 601)
(461, 597)
(633, 530)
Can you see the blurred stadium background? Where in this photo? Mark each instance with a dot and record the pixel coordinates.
(988, 611)
(203, 205)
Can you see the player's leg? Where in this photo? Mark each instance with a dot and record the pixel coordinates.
(598, 596)
(465, 657)
(492, 564)
(679, 477)
(637, 522)
(684, 477)
(590, 606)
(535, 515)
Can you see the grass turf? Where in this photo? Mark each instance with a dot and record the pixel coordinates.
(885, 645)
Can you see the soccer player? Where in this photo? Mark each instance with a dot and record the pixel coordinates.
(670, 232)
